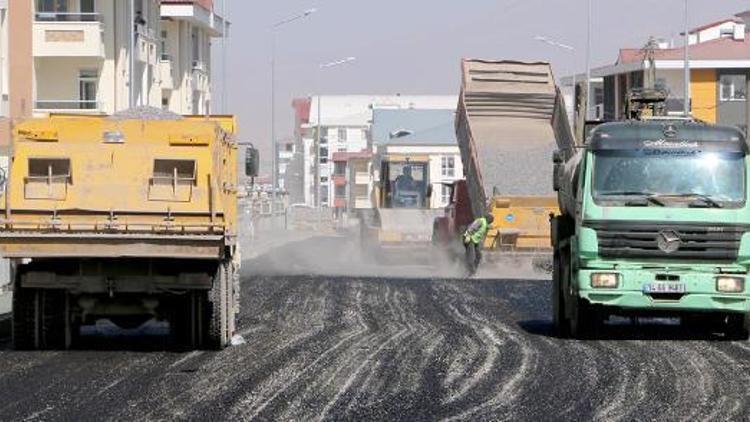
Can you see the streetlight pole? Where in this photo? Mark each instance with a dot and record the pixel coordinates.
(588, 58)
(318, 132)
(274, 29)
(572, 50)
(687, 60)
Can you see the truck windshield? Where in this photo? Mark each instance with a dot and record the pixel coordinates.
(689, 179)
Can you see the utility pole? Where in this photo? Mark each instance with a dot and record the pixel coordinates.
(131, 82)
(588, 60)
(274, 29)
(687, 59)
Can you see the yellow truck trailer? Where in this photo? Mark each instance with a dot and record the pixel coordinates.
(128, 219)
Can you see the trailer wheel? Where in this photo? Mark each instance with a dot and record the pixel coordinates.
(186, 319)
(25, 318)
(738, 327)
(218, 310)
(41, 319)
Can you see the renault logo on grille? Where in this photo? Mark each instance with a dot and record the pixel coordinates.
(668, 241)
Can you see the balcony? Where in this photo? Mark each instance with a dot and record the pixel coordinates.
(199, 77)
(68, 35)
(67, 106)
(146, 45)
(198, 12)
(166, 71)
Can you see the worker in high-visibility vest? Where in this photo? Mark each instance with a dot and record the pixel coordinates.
(474, 239)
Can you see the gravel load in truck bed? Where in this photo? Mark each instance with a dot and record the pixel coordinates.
(505, 129)
(145, 113)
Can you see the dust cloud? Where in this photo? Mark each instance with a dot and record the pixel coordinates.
(297, 254)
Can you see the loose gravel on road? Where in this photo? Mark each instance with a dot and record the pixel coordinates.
(338, 348)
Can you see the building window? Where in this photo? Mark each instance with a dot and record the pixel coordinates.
(448, 166)
(340, 192)
(165, 103)
(342, 135)
(52, 6)
(195, 40)
(324, 195)
(445, 195)
(339, 169)
(164, 52)
(87, 84)
(732, 88)
(87, 6)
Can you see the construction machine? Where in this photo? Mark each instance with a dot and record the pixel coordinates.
(402, 217)
(123, 218)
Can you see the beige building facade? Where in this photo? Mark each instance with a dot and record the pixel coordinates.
(102, 56)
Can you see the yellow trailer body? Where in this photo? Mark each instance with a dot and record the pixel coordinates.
(129, 219)
(521, 223)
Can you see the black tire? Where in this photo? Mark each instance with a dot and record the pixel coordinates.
(218, 310)
(738, 327)
(41, 319)
(25, 322)
(187, 319)
(584, 321)
(559, 320)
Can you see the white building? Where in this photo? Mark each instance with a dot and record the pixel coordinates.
(185, 61)
(86, 53)
(420, 132)
(345, 122)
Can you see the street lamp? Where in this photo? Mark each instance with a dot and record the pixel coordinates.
(566, 47)
(321, 68)
(588, 57)
(274, 29)
(687, 60)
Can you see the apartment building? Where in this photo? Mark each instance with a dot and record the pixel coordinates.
(718, 78)
(102, 56)
(344, 122)
(187, 28)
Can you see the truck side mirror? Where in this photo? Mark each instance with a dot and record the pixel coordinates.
(557, 170)
(557, 157)
(252, 162)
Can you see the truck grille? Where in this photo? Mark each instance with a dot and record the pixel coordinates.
(679, 241)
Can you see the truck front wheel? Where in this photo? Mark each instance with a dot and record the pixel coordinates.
(738, 327)
(585, 321)
(559, 320)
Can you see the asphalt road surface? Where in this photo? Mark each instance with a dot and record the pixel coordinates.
(386, 348)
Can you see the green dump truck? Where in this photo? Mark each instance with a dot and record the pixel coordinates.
(654, 221)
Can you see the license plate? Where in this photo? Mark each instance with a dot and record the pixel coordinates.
(662, 287)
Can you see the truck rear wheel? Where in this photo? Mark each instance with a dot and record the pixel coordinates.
(220, 308)
(41, 319)
(186, 319)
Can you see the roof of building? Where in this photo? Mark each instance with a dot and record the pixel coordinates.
(718, 49)
(419, 127)
(356, 110)
(735, 19)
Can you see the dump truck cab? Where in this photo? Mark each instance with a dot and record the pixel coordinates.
(655, 222)
(128, 219)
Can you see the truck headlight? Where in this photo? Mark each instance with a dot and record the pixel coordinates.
(605, 280)
(727, 284)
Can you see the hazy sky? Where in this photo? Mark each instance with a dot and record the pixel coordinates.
(415, 46)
